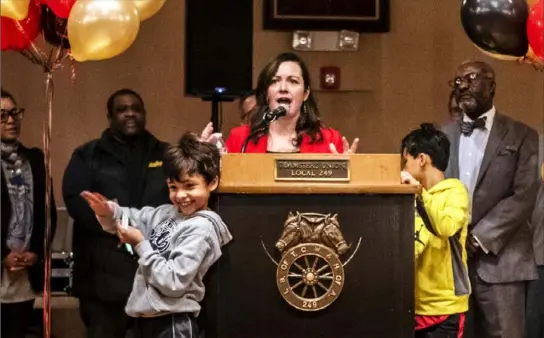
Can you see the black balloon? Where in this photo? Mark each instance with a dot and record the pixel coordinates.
(497, 26)
(54, 28)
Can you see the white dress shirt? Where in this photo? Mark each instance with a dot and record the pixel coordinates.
(471, 151)
(471, 154)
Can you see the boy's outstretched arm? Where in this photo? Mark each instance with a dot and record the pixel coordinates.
(109, 212)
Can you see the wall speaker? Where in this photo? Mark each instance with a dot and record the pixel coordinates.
(219, 48)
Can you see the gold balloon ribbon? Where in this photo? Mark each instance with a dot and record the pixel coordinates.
(49, 90)
(49, 63)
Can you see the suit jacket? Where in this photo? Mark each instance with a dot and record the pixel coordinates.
(239, 134)
(36, 159)
(537, 224)
(503, 199)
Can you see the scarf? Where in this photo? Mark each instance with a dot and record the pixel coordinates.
(18, 177)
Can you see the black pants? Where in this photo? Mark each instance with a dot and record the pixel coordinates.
(104, 319)
(449, 328)
(177, 325)
(15, 318)
(535, 306)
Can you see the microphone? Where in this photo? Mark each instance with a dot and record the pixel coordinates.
(268, 117)
(275, 114)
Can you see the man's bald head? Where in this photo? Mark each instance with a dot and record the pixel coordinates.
(484, 67)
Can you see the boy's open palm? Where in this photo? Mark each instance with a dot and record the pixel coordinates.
(98, 203)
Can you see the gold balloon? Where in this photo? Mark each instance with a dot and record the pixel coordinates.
(14, 9)
(102, 29)
(531, 3)
(499, 56)
(148, 8)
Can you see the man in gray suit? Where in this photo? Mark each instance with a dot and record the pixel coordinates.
(496, 158)
(535, 291)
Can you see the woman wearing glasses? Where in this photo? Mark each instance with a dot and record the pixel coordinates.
(22, 223)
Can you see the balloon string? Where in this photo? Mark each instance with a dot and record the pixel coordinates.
(49, 64)
(38, 55)
(72, 69)
(49, 91)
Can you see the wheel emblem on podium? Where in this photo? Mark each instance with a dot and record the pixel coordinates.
(310, 274)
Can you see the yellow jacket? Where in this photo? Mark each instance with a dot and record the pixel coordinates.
(442, 284)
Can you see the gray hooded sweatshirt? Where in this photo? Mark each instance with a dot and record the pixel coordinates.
(173, 259)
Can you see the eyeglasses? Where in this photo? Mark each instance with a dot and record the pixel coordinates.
(16, 113)
(470, 78)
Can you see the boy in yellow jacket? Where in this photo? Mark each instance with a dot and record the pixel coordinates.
(442, 284)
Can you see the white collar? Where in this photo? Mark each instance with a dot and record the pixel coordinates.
(489, 115)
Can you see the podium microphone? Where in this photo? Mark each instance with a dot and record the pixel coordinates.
(269, 116)
(275, 114)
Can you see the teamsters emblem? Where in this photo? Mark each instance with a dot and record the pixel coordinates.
(310, 275)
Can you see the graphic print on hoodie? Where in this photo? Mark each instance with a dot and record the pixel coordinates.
(161, 235)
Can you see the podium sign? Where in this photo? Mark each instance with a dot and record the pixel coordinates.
(312, 170)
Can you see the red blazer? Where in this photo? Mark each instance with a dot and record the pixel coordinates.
(238, 135)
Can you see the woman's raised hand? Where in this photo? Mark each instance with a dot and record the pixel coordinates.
(347, 148)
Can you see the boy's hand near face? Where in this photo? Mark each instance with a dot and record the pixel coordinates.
(129, 235)
(406, 178)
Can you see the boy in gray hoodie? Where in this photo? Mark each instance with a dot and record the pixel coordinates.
(176, 244)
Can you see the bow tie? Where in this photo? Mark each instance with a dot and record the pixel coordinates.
(468, 127)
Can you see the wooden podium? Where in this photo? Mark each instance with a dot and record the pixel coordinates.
(323, 247)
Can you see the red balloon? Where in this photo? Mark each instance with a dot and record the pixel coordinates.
(18, 35)
(61, 8)
(535, 29)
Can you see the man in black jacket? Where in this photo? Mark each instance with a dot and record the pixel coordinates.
(125, 164)
(23, 223)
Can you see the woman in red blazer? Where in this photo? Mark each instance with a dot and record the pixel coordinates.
(285, 81)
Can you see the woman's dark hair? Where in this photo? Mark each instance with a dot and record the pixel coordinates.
(309, 120)
(189, 157)
(429, 140)
(7, 95)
